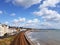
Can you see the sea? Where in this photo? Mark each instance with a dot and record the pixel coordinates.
(45, 37)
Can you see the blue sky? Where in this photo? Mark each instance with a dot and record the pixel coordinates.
(30, 13)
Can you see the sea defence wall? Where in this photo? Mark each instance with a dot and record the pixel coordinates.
(30, 40)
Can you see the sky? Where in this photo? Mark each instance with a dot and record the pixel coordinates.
(30, 13)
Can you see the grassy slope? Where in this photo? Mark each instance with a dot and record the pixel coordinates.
(6, 41)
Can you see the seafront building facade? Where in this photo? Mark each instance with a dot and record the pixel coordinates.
(1, 30)
(5, 29)
(11, 30)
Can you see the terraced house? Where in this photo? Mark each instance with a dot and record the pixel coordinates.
(3, 29)
(7, 29)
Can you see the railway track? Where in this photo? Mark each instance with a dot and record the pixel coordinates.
(20, 39)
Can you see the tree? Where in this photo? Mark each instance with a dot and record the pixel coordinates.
(5, 35)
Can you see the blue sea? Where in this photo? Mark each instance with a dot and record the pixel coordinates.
(46, 37)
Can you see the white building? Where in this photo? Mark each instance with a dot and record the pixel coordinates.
(3, 29)
(12, 31)
(6, 29)
(22, 29)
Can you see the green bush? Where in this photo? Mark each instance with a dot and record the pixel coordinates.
(6, 35)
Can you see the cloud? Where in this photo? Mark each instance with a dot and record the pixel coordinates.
(25, 3)
(34, 21)
(22, 19)
(16, 21)
(39, 24)
(6, 22)
(46, 25)
(49, 3)
(51, 18)
(31, 23)
(26, 23)
(1, 12)
(13, 14)
(48, 15)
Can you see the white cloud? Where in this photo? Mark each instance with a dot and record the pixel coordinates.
(33, 21)
(48, 15)
(13, 14)
(16, 21)
(49, 3)
(45, 13)
(26, 23)
(22, 19)
(51, 18)
(36, 20)
(25, 3)
(41, 25)
(46, 25)
(1, 12)
(6, 22)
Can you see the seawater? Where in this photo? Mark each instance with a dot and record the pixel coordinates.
(46, 36)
